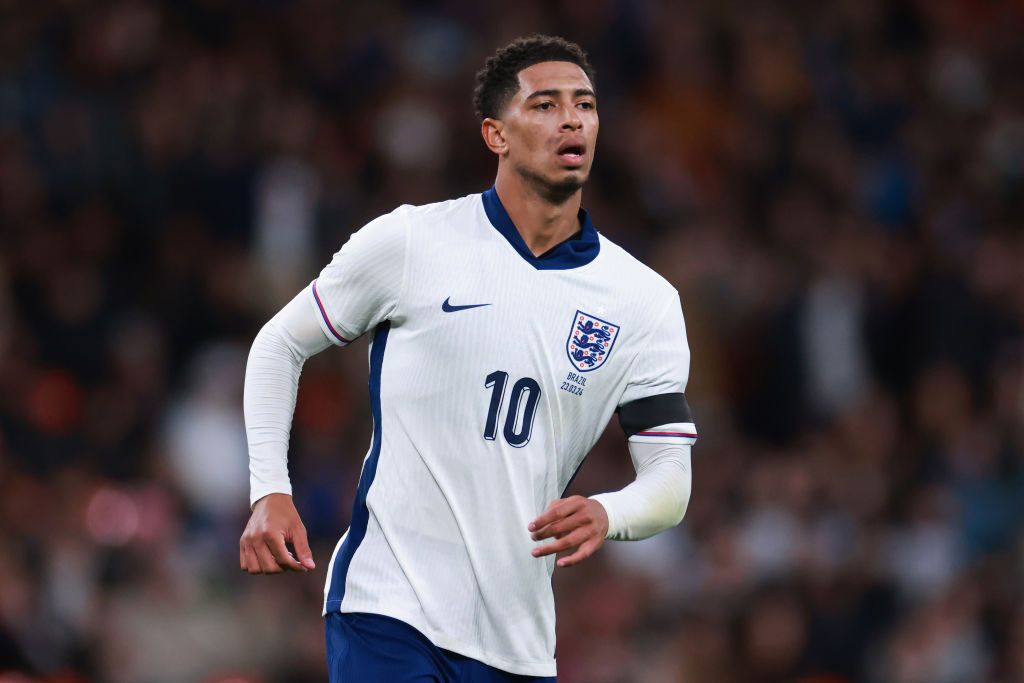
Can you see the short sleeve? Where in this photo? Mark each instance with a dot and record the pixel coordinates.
(362, 284)
(653, 407)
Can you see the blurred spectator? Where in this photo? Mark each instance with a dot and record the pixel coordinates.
(835, 188)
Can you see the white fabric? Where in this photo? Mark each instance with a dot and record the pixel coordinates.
(657, 499)
(443, 543)
(362, 285)
(271, 384)
(662, 363)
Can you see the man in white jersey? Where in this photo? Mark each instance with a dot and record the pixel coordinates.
(506, 332)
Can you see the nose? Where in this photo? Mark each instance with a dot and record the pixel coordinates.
(572, 121)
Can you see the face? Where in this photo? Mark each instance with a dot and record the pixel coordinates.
(548, 130)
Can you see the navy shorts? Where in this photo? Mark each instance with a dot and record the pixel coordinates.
(371, 648)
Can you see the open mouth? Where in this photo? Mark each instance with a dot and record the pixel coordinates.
(572, 154)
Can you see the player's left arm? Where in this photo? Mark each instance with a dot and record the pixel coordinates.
(654, 501)
(655, 416)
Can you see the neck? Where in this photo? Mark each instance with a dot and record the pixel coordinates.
(542, 222)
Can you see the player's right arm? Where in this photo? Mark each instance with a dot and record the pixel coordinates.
(271, 384)
(360, 288)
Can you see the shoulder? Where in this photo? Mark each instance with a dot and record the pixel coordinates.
(443, 212)
(633, 275)
(403, 222)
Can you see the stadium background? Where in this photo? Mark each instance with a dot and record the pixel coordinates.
(835, 188)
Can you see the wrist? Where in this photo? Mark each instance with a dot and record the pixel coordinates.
(608, 507)
(263, 498)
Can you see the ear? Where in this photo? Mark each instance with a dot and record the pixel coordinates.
(493, 132)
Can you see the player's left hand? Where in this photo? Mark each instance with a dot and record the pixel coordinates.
(578, 524)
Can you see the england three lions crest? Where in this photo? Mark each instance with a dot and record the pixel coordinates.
(590, 341)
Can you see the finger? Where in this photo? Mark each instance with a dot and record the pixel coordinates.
(557, 510)
(554, 512)
(252, 565)
(279, 550)
(305, 555)
(559, 528)
(586, 549)
(565, 543)
(575, 515)
(268, 565)
(241, 555)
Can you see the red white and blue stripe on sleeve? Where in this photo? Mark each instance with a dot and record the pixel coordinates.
(679, 432)
(325, 322)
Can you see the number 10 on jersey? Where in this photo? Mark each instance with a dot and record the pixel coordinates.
(522, 407)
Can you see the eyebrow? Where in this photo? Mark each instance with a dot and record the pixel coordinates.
(579, 92)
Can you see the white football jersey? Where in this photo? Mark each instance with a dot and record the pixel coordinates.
(492, 374)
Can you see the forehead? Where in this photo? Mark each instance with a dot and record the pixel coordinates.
(552, 76)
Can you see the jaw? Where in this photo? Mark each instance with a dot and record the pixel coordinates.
(557, 188)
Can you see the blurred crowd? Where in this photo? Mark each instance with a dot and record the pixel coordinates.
(836, 189)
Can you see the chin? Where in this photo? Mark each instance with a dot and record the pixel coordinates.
(557, 189)
(568, 183)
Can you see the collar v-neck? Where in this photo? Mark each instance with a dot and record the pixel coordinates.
(574, 252)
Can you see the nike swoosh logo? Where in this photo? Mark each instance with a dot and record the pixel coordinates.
(448, 308)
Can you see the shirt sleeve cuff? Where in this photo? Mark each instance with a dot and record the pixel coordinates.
(330, 329)
(261, 490)
(615, 529)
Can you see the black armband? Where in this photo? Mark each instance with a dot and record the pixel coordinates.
(653, 411)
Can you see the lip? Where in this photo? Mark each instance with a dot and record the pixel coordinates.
(572, 152)
(571, 160)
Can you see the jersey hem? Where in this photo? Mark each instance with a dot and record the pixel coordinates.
(513, 666)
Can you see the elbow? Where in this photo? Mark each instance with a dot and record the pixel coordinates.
(263, 339)
(272, 339)
(680, 497)
(681, 506)
(667, 513)
(675, 486)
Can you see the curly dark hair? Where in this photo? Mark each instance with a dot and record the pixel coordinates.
(498, 81)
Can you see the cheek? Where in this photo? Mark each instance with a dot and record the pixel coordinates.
(536, 139)
(531, 140)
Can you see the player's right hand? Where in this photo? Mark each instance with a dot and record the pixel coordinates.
(274, 523)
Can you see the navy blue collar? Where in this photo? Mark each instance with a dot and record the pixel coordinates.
(572, 253)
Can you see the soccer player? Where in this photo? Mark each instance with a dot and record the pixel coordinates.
(506, 331)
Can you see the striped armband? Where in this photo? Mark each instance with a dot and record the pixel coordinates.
(664, 418)
(325, 322)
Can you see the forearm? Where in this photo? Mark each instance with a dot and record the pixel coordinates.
(271, 384)
(657, 499)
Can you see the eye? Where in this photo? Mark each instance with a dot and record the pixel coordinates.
(545, 106)
(586, 104)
